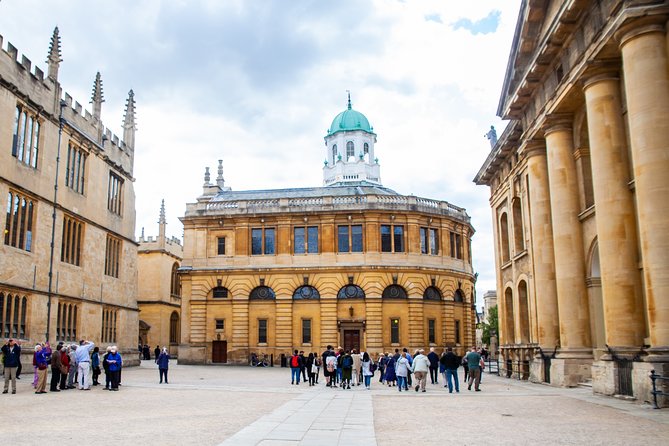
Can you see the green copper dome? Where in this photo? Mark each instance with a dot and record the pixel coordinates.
(350, 119)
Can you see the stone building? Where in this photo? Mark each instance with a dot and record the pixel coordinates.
(68, 259)
(352, 263)
(159, 289)
(579, 191)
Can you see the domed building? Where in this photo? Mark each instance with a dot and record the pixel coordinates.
(351, 263)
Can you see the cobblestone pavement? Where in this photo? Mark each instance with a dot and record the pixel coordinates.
(210, 405)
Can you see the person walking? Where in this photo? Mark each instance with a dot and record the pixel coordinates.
(42, 363)
(83, 356)
(434, 366)
(11, 352)
(163, 362)
(95, 365)
(115, 363)
(402, 371)
(450, 362)
(474, 363)
(391, 376)
(420, 368)
(56, 365)
(367, 370)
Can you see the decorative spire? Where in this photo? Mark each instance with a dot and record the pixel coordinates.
(161, 219)
(98, 98)
(129, 125)
(220, 182)
(55, 56)
(349, 99)
(207, 177)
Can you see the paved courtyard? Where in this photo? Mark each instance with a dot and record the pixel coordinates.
(210, 405)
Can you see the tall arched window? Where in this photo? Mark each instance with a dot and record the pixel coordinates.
(523, 312)
(504, 237)
(508, 322)
(518, 233)
(459, 296)
(365, 149)
(334, 153)
(262, 293)
(175, 285)
(174, 328)
(394, 292)
(350, 150)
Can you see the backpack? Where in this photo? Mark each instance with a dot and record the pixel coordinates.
(294, 361)
(347, 362)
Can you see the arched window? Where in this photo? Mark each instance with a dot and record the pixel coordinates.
(507, 318)
(334, 153)
(518, 233)
(459, 296)
(394, 292)
(2, 314)
(365, 149)
(306, 292)
(350, 150)
(262, 293)
(219, 292)
(175, 285)
(504, 237)
(432, 293)
(523, 312)
(174, 328)
(351, 292)
(24, 306)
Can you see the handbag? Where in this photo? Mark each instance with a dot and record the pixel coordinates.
(314, 368)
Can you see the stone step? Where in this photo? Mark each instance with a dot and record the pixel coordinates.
(587, 383)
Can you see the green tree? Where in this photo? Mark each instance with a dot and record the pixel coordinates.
(490, 326)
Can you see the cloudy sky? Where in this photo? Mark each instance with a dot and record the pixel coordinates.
(257, 83)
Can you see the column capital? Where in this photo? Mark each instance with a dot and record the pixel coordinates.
(534, 147)
(558, 122)
(600, 72)
(639, 27)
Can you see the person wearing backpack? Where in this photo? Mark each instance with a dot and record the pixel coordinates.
(347, 369)
(295, 368)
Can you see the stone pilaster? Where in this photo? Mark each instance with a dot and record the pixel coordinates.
(240, 330)
(284, 325)
(645, 59)
(616, 220)
(329, 331)
(572, 364)
(374, 325)
(416, 323)
(543, 256)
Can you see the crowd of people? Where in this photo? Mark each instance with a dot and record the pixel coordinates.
(346, 368)
(71, 366)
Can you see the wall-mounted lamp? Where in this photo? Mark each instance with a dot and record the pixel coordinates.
(350, 311)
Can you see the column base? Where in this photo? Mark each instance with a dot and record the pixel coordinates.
(643, 385)
(192, 354)
(569, 372)
(537, 370)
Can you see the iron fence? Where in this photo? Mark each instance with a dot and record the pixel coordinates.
(654, 377)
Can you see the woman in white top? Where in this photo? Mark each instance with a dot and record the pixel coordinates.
(402, 371)
(367, 372)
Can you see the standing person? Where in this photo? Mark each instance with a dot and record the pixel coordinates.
(346, 370)
(64, 367)
(115, 363)
(391, 376)
(71, 377)
(105, 366)
(434, 366)
(11, 352)
(450, 362)
(310, 366)
(340, 356)
(474, 363)
(163, 362)
(295, 368)
(41, 359)
(303, 366)
(95, 365)
(402, 371)
(420, 368)
(83, 356)
(367, 370)
(357, 364)
(383, 359)
(318, 363)
(463, 362)
(410, 359)
(156, 353)
(56, 365)
(330, 361)
(146, 351)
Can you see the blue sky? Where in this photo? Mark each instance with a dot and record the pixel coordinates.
(257, 83)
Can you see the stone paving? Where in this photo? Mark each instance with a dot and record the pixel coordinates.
(210, 405)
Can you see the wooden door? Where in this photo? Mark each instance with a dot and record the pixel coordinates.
(219, 351)
(352, 340)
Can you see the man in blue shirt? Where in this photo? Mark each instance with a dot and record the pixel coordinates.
(83, 356)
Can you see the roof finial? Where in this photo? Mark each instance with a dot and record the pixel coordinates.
(162, 212)
(207, 177)
(220, 182)
(349, 98)
(97, 99)
(129, 126)
(55, 57)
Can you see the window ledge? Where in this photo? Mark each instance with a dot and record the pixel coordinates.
(507, 264)
(262, 344)
(520, 255)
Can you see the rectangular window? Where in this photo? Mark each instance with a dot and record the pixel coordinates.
(72, 241)
(356, 238)
(306, 331)
(434, 242)
(220, 245)
(262, 331)
(262, 241)
(115, 194)
(75, 168)
(431, 331)
(19, 221)
(456, 245)
(305, 240)
(108, 326)
(220, 324)
(112, 256)
(269, 241)
(457, 331)
(256, 241)
(342, 239)
(25, 136)
(424, 243)
(392, 238)
(394, 331)
(349, 238)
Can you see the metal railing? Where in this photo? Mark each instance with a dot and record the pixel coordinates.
(654, 377)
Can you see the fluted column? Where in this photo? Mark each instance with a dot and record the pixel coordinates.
(616, 220)
(573, 307)
(543, 256)
(645, 65)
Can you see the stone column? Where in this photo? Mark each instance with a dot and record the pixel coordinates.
(645, 62)
(575, 347)
(616, 219)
